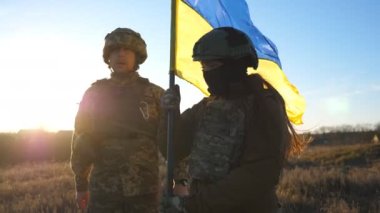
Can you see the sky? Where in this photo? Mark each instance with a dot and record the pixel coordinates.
(51, 52)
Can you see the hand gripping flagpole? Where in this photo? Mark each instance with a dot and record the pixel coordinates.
(170, 116)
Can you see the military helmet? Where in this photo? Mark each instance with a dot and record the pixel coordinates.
(128, 38)
(225, 43)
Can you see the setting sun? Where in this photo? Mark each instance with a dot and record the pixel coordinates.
(48, 75)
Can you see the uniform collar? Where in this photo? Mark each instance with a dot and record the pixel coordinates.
(124, 78)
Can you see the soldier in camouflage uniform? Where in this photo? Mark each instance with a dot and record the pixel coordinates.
(237, 139)
(114, 148)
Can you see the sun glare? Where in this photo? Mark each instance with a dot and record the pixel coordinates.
(48, 76)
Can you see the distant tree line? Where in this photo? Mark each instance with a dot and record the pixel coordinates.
(343, 138)
(34, 145)
(39, 145)
(348, 128)
(377, 127)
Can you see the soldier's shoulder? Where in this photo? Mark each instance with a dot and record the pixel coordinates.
(100, 82)
(152, 87)
(199, 107)
(156, 87)
(97, 85)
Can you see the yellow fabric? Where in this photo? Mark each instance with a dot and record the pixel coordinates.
(294, 102)
(190, 27)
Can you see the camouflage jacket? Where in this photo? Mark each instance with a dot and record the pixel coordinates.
(115, 136)
(249, 183)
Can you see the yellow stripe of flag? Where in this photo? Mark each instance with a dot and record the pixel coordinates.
(190, 27)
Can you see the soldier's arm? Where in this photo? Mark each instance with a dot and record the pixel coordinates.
(82, 150)
(162, 126)
(184, 127)
(184, 130)
(183, 140)
(81, 161)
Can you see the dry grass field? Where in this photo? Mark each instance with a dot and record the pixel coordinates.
(324, 179)
(32, 187)
(333, 179)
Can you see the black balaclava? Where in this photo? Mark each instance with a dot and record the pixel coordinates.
(232, 71)
(220, 78)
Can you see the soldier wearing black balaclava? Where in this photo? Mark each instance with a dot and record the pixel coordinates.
(236, 140)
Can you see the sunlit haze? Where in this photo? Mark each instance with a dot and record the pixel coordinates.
(51, 52)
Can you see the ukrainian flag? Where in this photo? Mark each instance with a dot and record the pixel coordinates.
(194, 18)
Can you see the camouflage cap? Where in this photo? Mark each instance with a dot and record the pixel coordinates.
(125, 37)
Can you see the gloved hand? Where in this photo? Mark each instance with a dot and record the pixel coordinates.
(181, 188)
(172, 205)
(171, 98)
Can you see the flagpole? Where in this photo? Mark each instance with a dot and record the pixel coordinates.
(170, 127)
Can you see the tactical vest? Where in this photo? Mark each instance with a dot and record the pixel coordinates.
(219, 139)
(123, 110)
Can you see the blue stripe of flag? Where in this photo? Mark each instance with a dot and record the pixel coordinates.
(235, 13)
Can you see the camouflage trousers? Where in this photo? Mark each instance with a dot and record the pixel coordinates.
(100, 203)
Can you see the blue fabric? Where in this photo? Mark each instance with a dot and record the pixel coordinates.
(235, 13)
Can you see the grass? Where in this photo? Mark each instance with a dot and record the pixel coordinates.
(342, 178)
(323, 179)
(32, 187)
(339, 155)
